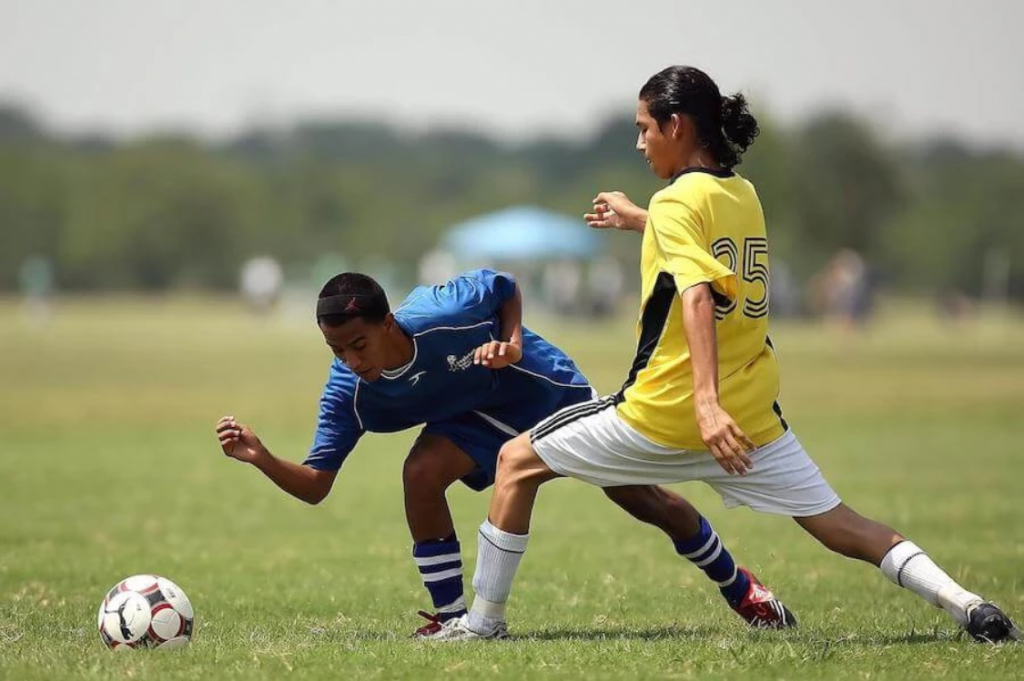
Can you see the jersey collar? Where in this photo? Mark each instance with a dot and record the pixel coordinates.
(719, 172)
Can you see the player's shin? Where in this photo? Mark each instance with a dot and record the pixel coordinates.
(440, 566)
(707, 551)
(497, 562)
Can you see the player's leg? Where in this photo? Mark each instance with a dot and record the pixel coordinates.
(501, 541)
(784, 480)
(695, 540)
(504, 535)
(433, 464)
(907, 565)
(657, 506)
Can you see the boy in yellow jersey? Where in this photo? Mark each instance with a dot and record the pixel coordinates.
(700, 399)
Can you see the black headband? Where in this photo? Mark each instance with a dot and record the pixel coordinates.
(346, 304)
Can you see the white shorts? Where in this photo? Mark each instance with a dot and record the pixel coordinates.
(590, 442)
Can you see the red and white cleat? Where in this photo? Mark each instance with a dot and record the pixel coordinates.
(458, 630)
(761, 609)
(433, 626)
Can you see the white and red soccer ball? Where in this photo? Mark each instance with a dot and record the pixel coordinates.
(146, 611)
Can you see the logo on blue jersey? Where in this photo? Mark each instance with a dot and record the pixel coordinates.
(460, 364)
(415, 378)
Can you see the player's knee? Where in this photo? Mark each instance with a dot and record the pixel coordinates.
(421, 474)
(515, 460)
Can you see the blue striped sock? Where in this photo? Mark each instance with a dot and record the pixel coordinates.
(706, 551)
(440, 565)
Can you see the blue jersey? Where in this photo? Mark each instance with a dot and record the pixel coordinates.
(441, 385)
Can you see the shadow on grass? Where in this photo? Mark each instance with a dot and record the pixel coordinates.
(672, 632)
(711, 634)
(820, 640)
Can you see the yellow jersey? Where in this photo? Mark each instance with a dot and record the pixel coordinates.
(707, 226)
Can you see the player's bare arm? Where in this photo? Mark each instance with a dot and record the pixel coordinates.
(238, 441)
(614, 210)
(724, 439)
(509, 349)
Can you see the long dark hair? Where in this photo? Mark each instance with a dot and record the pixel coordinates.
(725, 126)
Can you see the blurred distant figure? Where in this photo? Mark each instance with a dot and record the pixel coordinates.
(785, 292)
(261, 284)
(956, 307)
(843, 291)
(437, 266)
(35, 280)
(562, 283)
(604, 286)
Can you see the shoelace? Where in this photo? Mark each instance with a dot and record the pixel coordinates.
(432, 618)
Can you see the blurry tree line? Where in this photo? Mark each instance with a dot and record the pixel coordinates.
(172, 211)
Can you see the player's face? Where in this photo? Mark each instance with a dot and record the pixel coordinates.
(658, 143)
(360, 345)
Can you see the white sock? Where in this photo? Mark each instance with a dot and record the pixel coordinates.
(497, 560)
(907, 565)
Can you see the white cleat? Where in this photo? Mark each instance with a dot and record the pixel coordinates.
(458, 630)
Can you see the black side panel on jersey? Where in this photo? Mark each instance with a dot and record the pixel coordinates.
(652, 325)
(775, 406)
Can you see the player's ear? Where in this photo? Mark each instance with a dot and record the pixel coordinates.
(389, 321)
(676, 126)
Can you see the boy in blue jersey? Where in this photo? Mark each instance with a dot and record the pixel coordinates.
(456, 358)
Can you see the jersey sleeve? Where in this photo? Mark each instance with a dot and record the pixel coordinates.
(338, 428)
(477, 295)
(683, 247)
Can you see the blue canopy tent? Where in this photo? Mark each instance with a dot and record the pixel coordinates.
(522, 233)
(552, 253)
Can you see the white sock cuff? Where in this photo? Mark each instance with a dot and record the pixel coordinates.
(894, 562)
(487, 609)
(506, 541)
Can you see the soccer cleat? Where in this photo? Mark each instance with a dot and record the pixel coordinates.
(434, 623)
(457, 629)
(988, 624)
(761, 609)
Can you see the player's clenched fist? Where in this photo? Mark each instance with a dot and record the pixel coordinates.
(237, 440)
(497, 354)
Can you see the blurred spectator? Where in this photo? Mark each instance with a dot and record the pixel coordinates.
(604, 286)
(842, 292)
(261, 283)
(956, 307)
(35, 279)
(785, 292)
(437, 266)
(562, 281)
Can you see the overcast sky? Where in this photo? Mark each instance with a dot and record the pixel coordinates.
(510, 68)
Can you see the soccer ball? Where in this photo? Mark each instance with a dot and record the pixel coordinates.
(146, 611)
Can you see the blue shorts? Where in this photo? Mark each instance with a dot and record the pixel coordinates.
(481, 441)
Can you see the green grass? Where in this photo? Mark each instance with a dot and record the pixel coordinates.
(108, 467)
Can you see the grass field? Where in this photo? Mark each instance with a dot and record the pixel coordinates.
(108, 467)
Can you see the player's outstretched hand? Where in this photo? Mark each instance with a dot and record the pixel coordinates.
(614, 210)
(497, 354)
(724, 439)
(237, 440)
